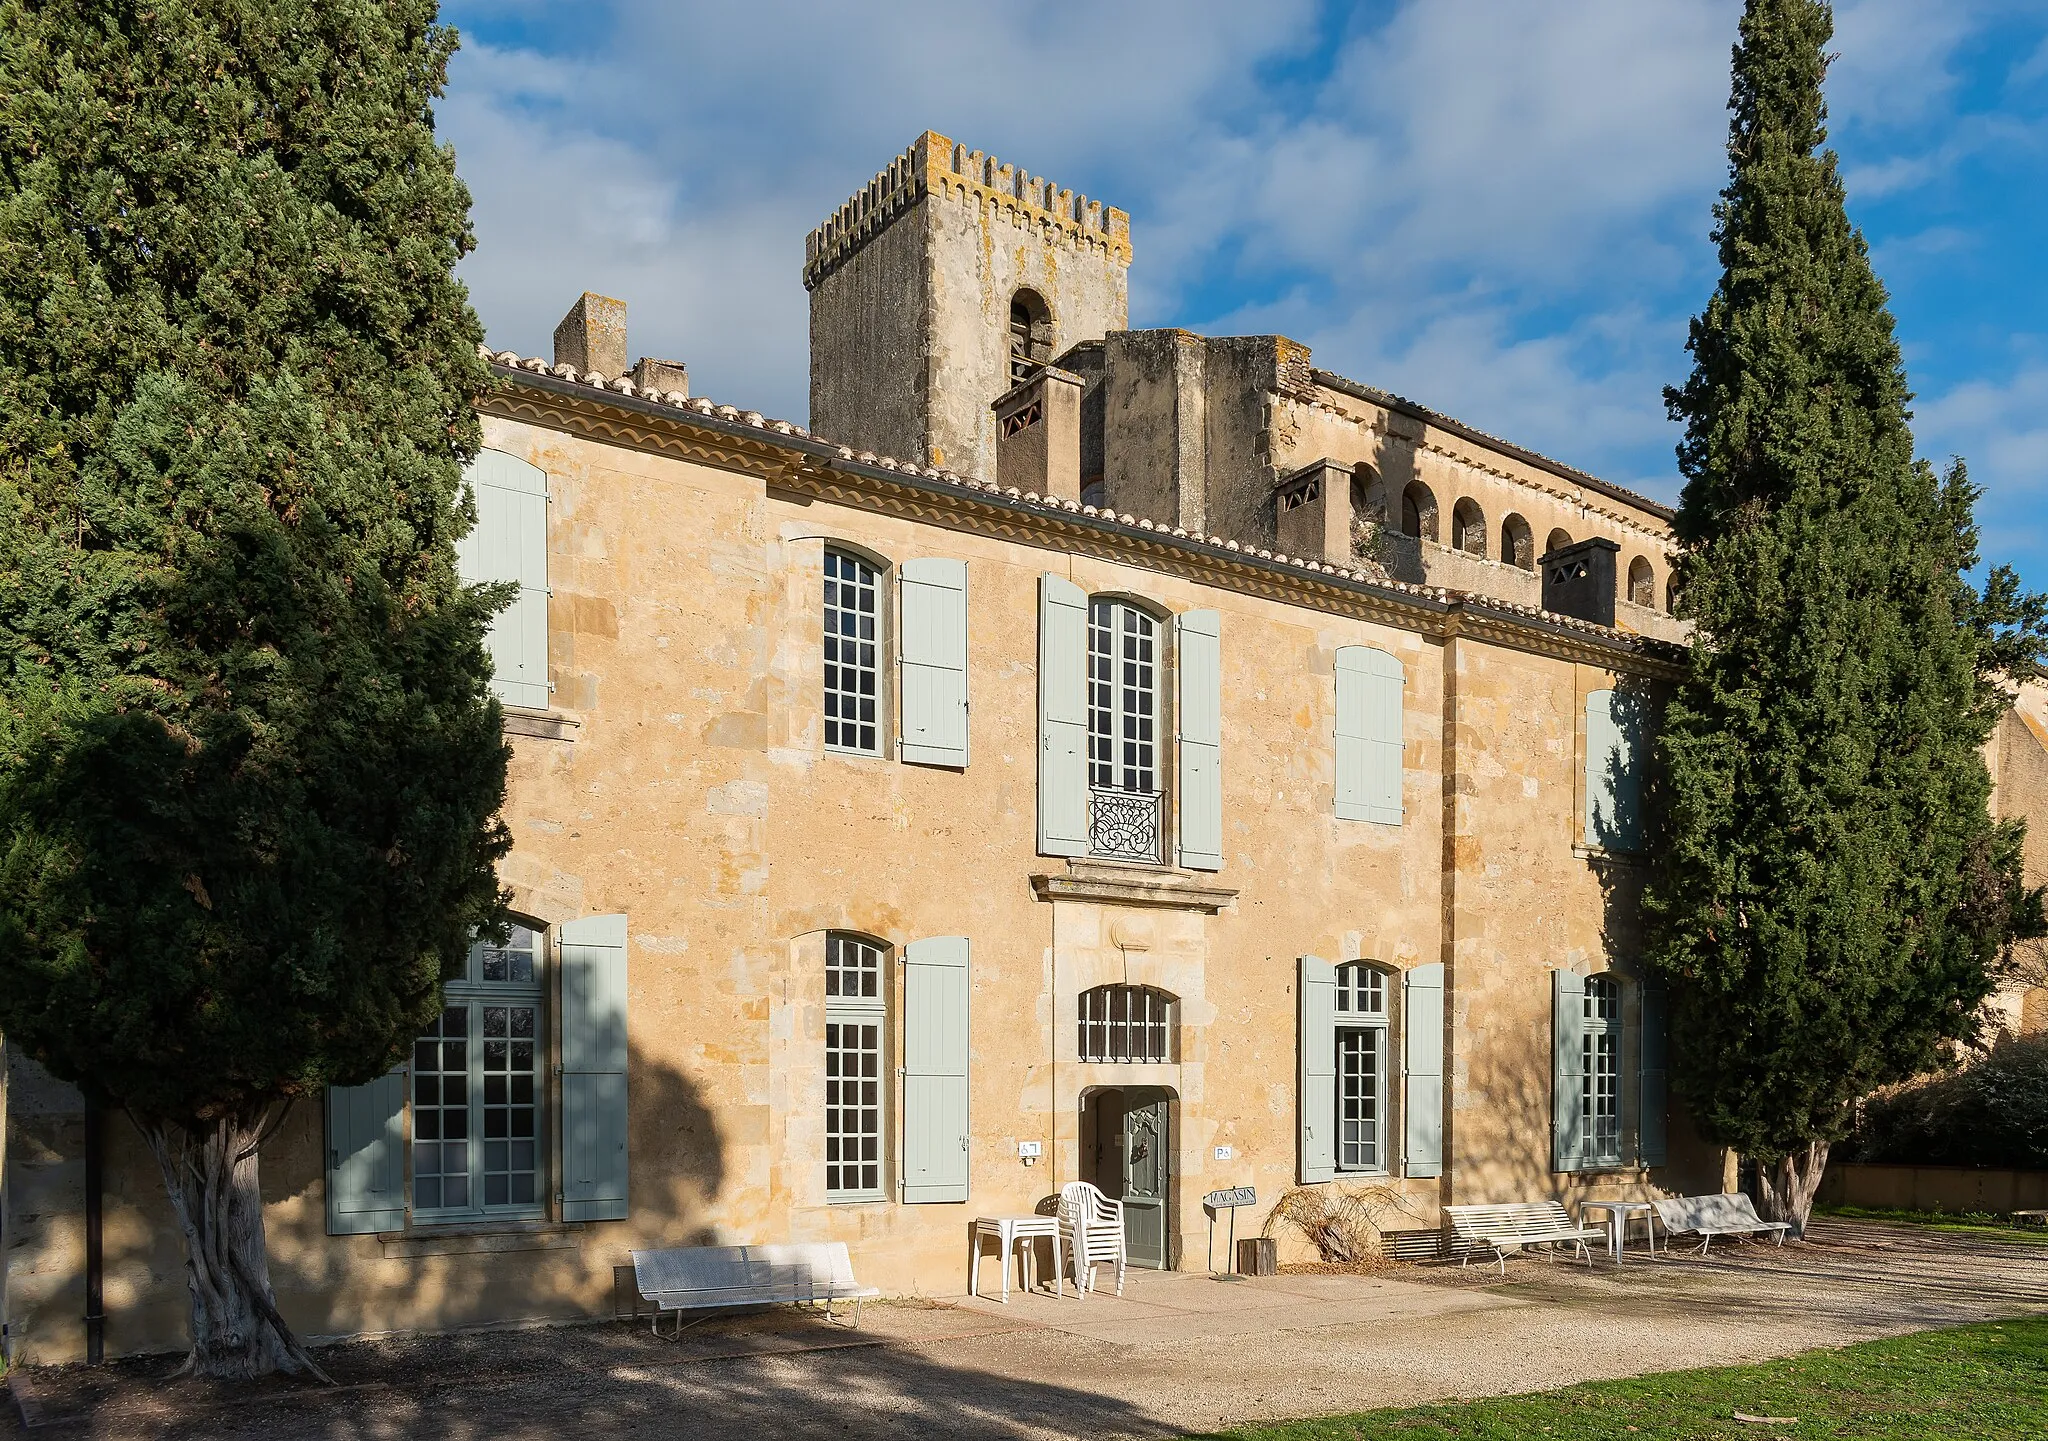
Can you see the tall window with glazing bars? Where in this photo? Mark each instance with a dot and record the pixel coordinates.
(856, 1027)
(1361, 1068)
(852, 670)
(1600, 1101)
(1125, 802)
(476, 1095)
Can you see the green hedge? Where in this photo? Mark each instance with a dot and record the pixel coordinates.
(1993, 1112)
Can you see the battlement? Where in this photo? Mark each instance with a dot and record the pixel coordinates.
(937, 166)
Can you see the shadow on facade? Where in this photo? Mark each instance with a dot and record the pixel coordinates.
(338, 1285)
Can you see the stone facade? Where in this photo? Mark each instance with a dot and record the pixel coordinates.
(681, 778)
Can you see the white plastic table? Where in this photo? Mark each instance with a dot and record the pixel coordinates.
(1619, 1214)
(1008, 1231)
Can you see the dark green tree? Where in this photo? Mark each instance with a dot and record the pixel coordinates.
(250, 768)
(1834, 897)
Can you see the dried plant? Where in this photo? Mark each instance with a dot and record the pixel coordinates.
(1343, 1224)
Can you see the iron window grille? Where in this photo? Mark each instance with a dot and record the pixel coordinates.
(477, 1089)
(1362, 1051)
(856, 1026)
(852, 671)
(1600, 1101)
(1126, 1023)
(1126, 803)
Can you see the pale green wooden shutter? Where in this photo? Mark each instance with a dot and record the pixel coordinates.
(935, 1006)
(366, 1156)
(1369, 683)
(1615, 755)
(933, 684)
(1199, 657)
(1567, 1069)
(1062, 718)
(1653, 1125)
(1422, 1054)
(1316, 989)
(510, 542)
(594, 1056)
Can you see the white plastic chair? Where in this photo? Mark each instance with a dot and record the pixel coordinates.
(1093, 1227)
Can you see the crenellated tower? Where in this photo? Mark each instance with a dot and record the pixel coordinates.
(937, 285)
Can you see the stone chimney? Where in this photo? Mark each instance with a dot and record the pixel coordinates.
(1578, 580)
(592, 336)
(670, 377)
(1038, 435)
(1312, 512)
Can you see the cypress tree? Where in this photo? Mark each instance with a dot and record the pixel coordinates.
(250, 768)
(1834, 897)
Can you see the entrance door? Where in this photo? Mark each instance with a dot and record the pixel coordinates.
(1147, 1175)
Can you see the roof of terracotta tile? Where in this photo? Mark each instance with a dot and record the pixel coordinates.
(1366, 575)
(1423, 413)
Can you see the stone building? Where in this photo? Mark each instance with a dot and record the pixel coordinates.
(1097, 754)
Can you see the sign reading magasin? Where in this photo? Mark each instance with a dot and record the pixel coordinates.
(1232, 1198)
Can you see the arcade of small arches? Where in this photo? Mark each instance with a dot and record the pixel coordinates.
(1470, 535)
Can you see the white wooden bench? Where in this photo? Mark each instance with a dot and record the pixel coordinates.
(1509, 1227)
(690, 1278)
(1728, 1214)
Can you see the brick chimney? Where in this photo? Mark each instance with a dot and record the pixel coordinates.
(1578, 580)
(1312, 512)
(1038, 435)
(592, 336)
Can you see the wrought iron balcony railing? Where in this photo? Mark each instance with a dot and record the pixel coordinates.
(1125, 825)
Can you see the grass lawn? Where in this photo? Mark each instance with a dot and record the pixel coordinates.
(1966, 1223)
(1976, 1383)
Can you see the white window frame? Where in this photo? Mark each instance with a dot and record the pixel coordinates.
(868, 583)
(869, 1011)
(1363, 1024)
(475, 996)
(1126, 773)
(1144, 1027)
(1600, 1089)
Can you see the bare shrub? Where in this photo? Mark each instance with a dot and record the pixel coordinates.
(1343, 1224)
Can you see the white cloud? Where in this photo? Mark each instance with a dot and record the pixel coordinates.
(1497, 208)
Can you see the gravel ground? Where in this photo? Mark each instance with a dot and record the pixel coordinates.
(1178, 1354)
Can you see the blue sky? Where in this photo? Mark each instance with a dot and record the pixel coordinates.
(1496, 208)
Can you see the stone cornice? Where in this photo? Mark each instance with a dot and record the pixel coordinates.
(798, 466)
(1130, 886)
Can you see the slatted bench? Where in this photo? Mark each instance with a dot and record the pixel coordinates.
(1509, 1227)
(1728, 1214)
(690, 1278)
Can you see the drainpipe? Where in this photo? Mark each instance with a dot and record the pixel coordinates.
(95, 1307)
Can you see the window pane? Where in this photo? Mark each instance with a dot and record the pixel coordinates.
(440, 1109)
(509, 1109)
(851, 679)
(1360, 1052)
(1125, 1023)
(853, 1107)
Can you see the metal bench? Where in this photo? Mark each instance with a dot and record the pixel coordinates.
(1509, 1227)
(1728, 1214)
(690, 1278)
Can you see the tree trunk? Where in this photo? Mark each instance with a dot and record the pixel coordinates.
(210, 1174)
(1785, 1188)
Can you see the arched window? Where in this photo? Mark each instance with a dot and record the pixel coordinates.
(1600, 1100)
(1468, 527)
(1362, 1060)
(1559, 539)
(1517, 543)
(1127, 1023)
(1123, 730)
(1030, 334)
(1642, 583)
(1673, 594)
(478, 1076)
(1367, 512)
(1418, 511)
(852, 668)
(856, 1024)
